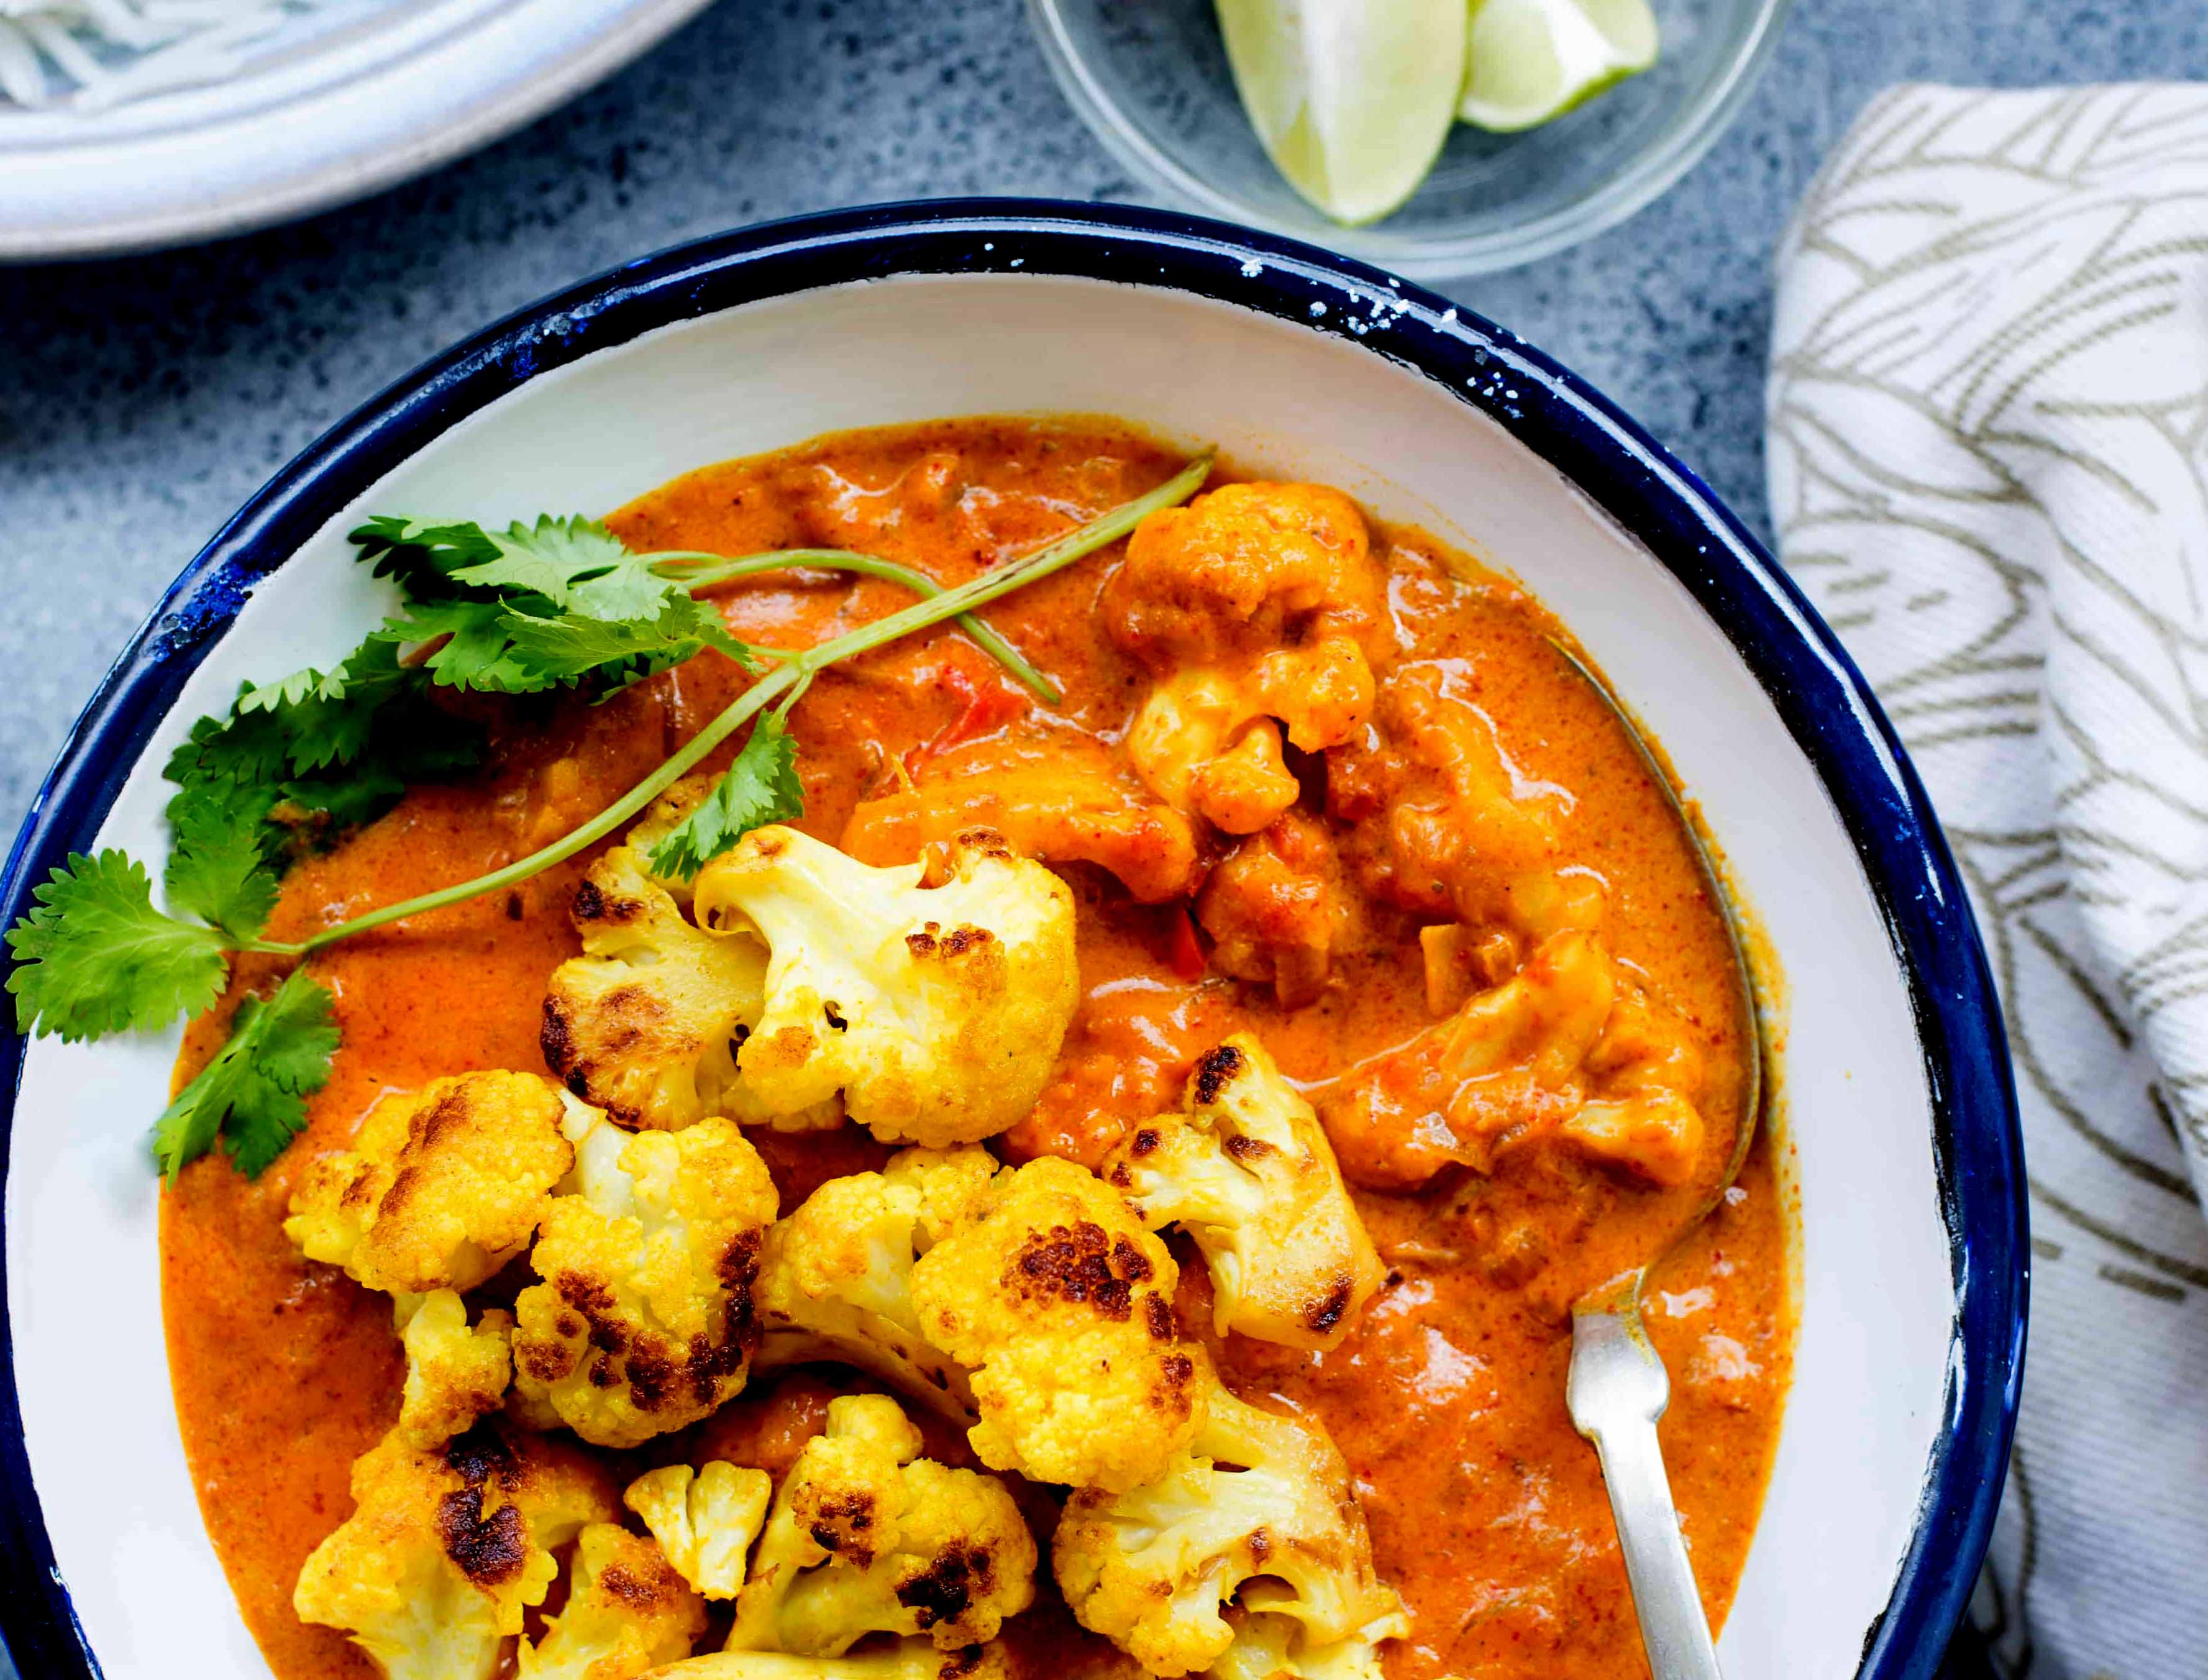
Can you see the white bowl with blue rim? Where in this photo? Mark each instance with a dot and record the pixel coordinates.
(1899, 1126)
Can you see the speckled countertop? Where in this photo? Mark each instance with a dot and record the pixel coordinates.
(142, 400)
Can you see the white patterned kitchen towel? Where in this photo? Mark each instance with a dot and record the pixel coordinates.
(1989, 467)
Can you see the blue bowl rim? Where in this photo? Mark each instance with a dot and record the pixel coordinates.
(1823, 700)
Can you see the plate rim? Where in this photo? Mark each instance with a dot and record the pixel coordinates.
(1821, 698)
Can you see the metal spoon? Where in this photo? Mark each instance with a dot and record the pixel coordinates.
(1617, 1387)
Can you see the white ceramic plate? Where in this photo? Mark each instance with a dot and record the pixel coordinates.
(1898, 1108)
(325, 113)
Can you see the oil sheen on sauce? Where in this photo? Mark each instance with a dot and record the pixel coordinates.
(1447, 1398)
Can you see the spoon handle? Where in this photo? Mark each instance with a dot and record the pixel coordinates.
(1616, 1391)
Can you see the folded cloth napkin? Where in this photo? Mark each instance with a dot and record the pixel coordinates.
(1989, 467)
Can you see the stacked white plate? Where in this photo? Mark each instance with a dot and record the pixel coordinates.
(290, 107)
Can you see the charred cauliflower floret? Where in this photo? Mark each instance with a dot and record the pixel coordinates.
(645, 1320)
(454, 1374)
(1059, 1303)
(1246, 1170)
(1569, 1047)
(1260, 607)
(645, 1022)
(1055, 798)
(868, 1537)
(442, 1186)
(705, 1519)
(1154, 1569)
(934, 1012)
(627, 1611)
(903, 1660)
(835, 1278)
(445, 1548)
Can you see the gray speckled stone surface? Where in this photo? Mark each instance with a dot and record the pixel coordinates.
(141, 401)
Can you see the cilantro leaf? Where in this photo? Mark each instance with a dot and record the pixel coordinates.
(216, 869)
(537, 606)
(474, 653)
(94, 957)
(621, 650)
(423, 558)
(556, 557)
(761, 787)
(253, 1093)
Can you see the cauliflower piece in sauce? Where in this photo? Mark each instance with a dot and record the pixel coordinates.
(645, 1022)
(1246, 1170)
(448, 1546)
(442, 1186)
(836, 1277)
(1059, 1303)
(627, 1611)
(1567, 1047)
(645, 1322)
(868, 1537)
(1279, 908)
(935, 1013)
(1056, 797)
(1261, 609)
(1154, 1569)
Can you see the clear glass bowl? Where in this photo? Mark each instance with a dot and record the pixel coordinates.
(1150, 77)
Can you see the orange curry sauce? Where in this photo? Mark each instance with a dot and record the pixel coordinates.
(1447, 1396)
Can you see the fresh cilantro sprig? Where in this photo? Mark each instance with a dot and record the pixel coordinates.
(761, 786)
(94, 957)
(298, 761)
(253, 1093)
(535, 606)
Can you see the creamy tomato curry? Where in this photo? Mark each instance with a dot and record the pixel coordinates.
(1411, 920)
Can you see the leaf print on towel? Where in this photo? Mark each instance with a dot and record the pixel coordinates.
(1988, 454)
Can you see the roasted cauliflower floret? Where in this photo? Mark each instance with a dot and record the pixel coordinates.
(645, 1022)
(904, 1659)
(455, 1375)
(1246, 1170)
(1054, 798)
(645, 1320)
(1153, 1568)
(835, 1278)
(1059, 1303)
(934, 1012)
(442, 1186)
(705, 1519)
(1569, 1047)
(445, 1549)
(1260, 607)
(627, 1611)
(868, 1537)
(1275, 1648)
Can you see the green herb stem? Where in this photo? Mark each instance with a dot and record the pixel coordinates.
(699, 572)
(799, 668)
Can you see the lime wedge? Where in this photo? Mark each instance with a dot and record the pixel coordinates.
(1351, 99)
(1529, 61)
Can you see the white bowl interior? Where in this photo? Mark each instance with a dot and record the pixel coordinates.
(1876, 1309)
